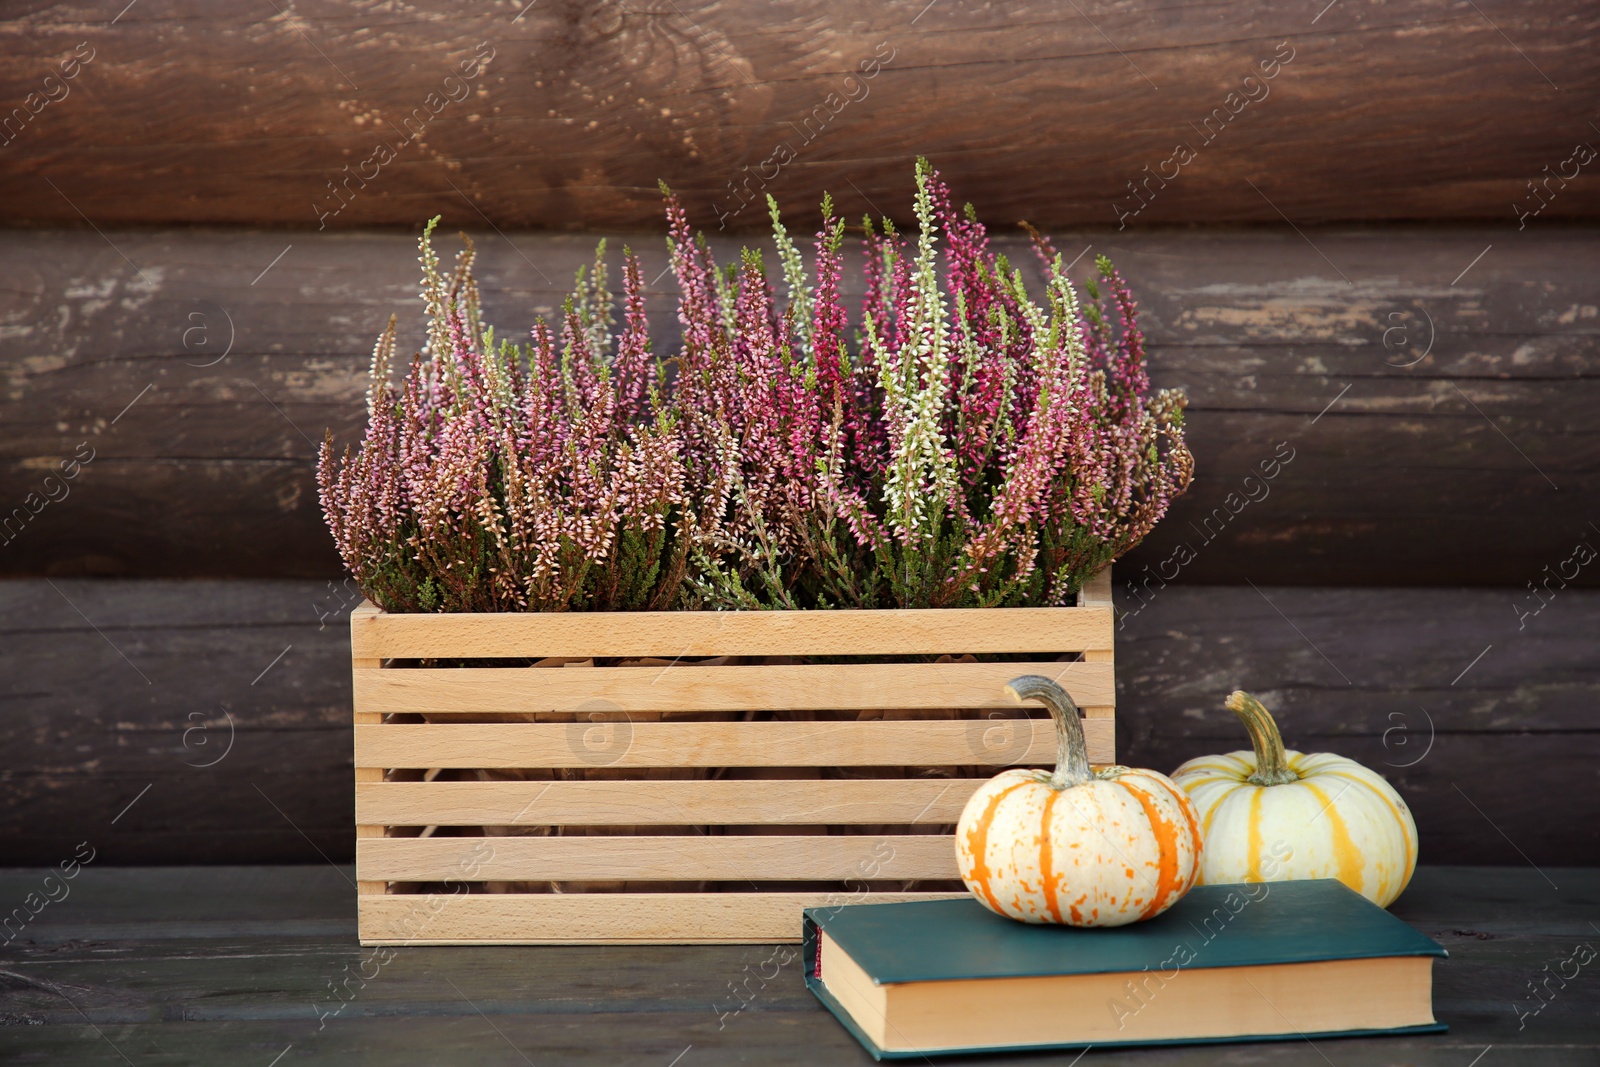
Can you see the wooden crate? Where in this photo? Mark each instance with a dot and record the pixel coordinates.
(400, 809)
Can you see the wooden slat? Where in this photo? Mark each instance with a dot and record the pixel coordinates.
(600, 918)
(694, 858)
(366, 776)
(673, 634)
(1096, 592)
(643, 803)
(806, 687)
(941, 743)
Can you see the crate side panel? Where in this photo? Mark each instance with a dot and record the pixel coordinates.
(674, 634)
(675, 858)
(788, 687)
(601, 918)
(904, 743)
(817, 801)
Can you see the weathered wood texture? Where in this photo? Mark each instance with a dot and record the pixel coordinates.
(184, 112)
(1488, 731)
(111, 687)
(239, 965)
(1437, 425)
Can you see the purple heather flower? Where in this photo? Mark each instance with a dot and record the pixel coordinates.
(968, 445)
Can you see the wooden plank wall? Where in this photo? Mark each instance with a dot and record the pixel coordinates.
(1433, 433)
(1363, 234)
(115, 686)
(565, 113)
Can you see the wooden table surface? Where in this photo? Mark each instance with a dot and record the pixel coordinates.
(235, 965)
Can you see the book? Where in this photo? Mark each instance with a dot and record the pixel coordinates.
(1263, 961)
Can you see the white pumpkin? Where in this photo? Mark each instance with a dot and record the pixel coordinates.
(1081, 846)
(1272, 815)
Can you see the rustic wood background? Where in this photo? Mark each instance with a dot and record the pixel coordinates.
(1387, 263)
(230, 701)
(191, 112)
(256, 968)
(1439, 434)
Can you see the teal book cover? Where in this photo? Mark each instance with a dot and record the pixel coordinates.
(1221, 926)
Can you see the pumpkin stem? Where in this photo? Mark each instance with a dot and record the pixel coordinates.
(1272, 768)
(1072, 753)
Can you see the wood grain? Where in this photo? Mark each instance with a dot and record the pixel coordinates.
(725, 857)
(622, 744)
(233, 964)
(603, 919)
(677, 634)
(1423, 417)
(1480, 746)
(692, 689)
(645, 803)
(368, 776)
(230, 701)
(1418, 110)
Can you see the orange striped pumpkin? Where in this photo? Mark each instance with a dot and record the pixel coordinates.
(1272, 815)
(1080, 846)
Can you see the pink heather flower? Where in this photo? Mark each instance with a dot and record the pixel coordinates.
(966, 444)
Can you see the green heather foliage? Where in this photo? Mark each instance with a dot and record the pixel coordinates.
(967, 445)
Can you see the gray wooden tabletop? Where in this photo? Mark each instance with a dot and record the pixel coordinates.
(237, 965)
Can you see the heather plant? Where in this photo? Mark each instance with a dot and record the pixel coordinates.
(505, 477)
(972, 448)
(963, 444)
